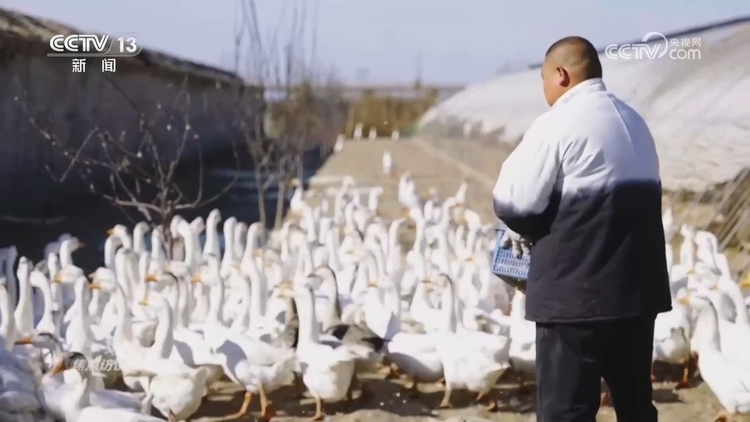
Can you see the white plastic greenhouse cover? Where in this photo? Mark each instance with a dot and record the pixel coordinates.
(698, 110)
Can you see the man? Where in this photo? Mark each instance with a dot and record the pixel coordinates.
(583, 189)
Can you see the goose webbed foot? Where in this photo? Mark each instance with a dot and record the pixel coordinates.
(243, 410)
(446, 402)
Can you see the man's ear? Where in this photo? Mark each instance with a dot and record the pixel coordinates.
(563, 76)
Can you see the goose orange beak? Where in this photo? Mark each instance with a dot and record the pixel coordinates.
(25, 340)
(59, 367)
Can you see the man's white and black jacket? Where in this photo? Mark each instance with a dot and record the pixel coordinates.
(583, 186)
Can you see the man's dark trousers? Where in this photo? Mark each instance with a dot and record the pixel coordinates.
(572, 358)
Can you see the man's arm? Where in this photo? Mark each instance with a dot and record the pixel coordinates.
(526, 182)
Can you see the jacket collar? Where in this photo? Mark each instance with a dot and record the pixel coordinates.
(583, 88)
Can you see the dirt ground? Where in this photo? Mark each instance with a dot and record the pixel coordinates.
(439, 164)
(388, 401)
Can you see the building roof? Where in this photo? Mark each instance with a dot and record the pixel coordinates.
(697, 109)
(14, 23)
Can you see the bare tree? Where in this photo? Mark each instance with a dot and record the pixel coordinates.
(294, 122)
(138, 169)
(264, 155)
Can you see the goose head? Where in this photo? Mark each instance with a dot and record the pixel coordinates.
(214, 218)
(141, 227)
(71, 245)
(24, 268)
(687, 232)
(120, 232)
(72, 360)
(323, 275)
(228, 229)
(198, 224)
(44, 340)
(295, 182)
(433, 194)
(460, 195)
(348, 182)
(166, 277)
(174, 225)
(211, 273)
(38, 279)
(698, 298)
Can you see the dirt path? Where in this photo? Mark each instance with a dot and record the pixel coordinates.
(439, 164)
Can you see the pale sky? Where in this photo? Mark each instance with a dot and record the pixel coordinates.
(380, 41)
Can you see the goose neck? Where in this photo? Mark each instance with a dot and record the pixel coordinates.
(164, 334)
(189, 237)
(48, 302)
(8, 323)
(308, 321)
(124, 327)
(708, 322)
(258, 294)
(229, 253)
(24, 313)
(216, 302)
(448, 309)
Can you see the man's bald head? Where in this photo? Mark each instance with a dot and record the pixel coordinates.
(577, 55)
(567, 63)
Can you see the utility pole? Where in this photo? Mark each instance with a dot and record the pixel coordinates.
(418, 75)
(250, 14)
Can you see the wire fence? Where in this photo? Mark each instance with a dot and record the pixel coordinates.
(723, 210)
(703, 136)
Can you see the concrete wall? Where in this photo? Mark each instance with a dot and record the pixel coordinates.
(73, 104)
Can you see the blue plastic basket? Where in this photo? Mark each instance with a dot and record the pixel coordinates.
(513, 270)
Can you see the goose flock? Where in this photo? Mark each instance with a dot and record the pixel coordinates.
(314, 304)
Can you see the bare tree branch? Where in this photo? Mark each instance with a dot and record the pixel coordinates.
(142, 167)
(297, 119)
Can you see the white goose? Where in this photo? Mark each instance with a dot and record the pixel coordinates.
(257, 366)
(77, 404)
(176, 392)
(327, 369)
(18, 399)
(480, 359)
(24, 312)
(414, 354)
(728, 378)
(387, 163)
(672, 333)
(183, 344)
